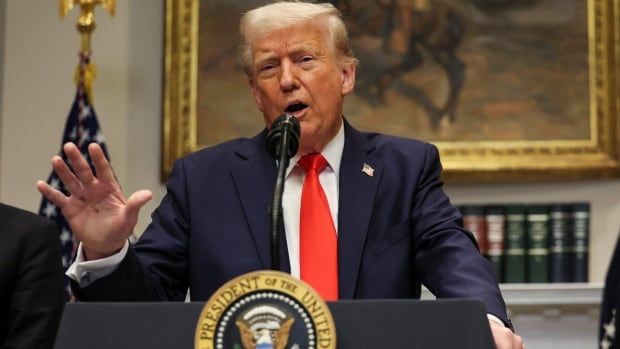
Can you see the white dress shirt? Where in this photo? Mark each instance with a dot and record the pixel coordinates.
(291, 199)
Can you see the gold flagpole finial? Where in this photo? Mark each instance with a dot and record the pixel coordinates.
(86, 71)
(86, 20)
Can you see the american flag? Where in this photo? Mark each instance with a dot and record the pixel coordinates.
(81, 128)
(610, 318)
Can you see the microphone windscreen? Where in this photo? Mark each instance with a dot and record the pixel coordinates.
(284, 123)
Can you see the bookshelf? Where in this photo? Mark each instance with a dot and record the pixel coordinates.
(552, 315)
(547, 295)
(587, 294)
(534, 243)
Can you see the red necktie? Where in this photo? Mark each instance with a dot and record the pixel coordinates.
(318, 241)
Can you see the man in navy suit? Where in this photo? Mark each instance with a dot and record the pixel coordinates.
(395, 226)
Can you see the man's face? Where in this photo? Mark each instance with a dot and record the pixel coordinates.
(296, 70)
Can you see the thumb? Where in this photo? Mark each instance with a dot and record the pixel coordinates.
(136, 201)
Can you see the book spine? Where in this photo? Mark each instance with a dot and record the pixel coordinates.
(473, 221)
(537, 244)
(495, 224)
(581, 240)
(514, 271)
(560, 261)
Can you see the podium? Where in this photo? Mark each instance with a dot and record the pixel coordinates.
(448, 323)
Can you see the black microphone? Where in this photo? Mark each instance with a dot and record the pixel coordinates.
(284, 133)
(282, 144)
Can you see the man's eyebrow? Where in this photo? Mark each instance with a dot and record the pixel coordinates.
(305, 48)
(264, 55)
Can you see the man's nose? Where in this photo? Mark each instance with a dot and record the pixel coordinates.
(288, 77)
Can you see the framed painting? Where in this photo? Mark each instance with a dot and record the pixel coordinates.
(507, 89)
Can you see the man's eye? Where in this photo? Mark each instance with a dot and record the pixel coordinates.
(304, 59)
(267, 67)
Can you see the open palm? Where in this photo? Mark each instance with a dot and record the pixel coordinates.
(96, 209)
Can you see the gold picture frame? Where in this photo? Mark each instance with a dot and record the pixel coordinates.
(595, 156)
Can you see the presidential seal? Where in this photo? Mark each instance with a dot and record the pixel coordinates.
(265, 310)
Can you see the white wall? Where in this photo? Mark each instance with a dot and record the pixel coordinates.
(40, 54)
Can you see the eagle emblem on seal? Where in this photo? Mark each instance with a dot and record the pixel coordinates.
(264, 327)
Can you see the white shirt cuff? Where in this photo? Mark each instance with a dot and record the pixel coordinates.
(86, 272)
(494, 318)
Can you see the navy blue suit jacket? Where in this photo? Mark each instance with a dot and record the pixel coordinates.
(396, 229)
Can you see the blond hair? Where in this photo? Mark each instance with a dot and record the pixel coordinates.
(284, 14)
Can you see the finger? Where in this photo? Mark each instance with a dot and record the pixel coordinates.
(134, 203)
(66, 175)
(138, 199)
(102, 166)
(517, 342)
(80, 166)
(502, 336)
(55, 196)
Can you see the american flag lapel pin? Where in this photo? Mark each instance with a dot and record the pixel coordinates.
(368, 170)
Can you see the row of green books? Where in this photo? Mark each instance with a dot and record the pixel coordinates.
(532, 243)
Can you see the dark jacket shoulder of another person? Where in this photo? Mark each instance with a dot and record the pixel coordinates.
(31, 279)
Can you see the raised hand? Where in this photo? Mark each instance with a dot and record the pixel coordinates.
(96, 209)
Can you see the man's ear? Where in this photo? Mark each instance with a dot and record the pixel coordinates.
(255, 94)
(348, 78)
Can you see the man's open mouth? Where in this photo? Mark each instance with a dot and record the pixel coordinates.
(295, 108)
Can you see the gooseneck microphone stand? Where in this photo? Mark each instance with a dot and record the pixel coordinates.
(282, 144)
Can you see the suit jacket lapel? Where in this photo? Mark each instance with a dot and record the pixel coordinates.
(254, 175)
(356, 199)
